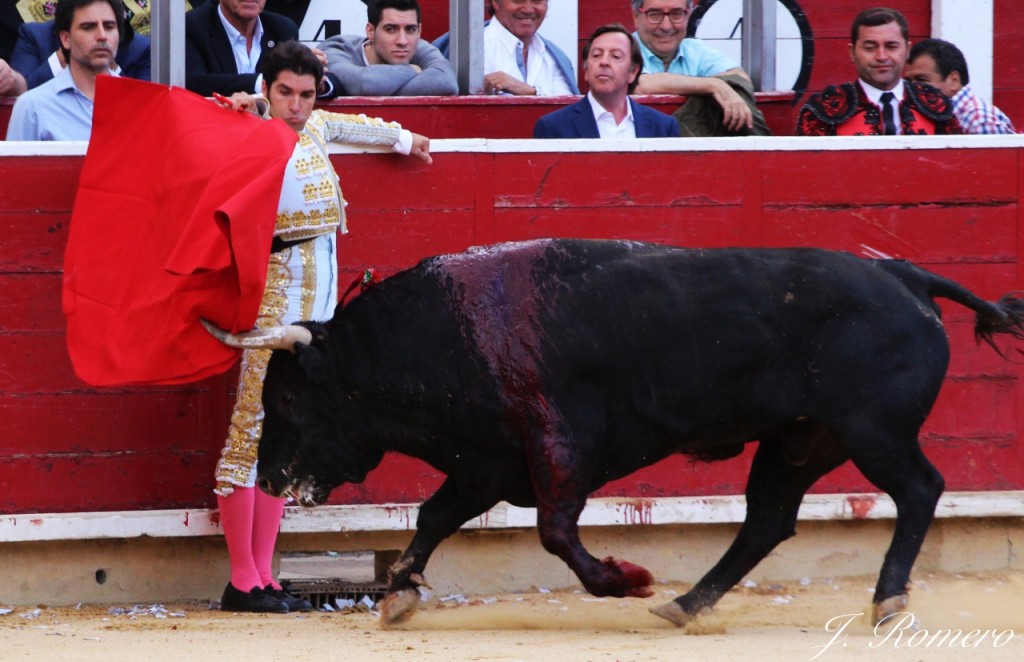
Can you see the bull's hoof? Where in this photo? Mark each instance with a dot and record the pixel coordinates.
(627, 580)
(885, 612)
(673, 613)
(399, 606)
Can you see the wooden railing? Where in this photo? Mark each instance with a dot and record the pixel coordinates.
(494, 117)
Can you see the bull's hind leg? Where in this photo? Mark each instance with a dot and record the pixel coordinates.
(774, 492)
(440, 516)
(901, 470)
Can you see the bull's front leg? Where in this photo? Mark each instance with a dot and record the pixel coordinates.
(561, 486)
(559, 533)
(440, 516)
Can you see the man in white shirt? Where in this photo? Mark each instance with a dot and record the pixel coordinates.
(226, 42)
(519, 61)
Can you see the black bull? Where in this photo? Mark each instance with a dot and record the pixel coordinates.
(536, 372)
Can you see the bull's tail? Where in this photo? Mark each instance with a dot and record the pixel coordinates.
(993, 317)
(1007, 318)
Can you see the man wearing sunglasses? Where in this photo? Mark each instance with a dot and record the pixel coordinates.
(674, 64)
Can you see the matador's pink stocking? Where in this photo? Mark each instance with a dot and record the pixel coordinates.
(265, 527)
(236, 517)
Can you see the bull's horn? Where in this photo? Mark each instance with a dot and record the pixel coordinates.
(278, 337)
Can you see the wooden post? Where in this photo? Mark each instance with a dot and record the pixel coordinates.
(759, 42)
(466, 44)
(168, 48)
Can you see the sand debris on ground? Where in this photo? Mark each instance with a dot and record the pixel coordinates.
(978, 616)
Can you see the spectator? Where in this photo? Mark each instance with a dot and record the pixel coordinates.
(721, 96)
(611, 65)
(391, 60)
(519, 61)
(880, 102)
(38, 57)
(942, 65)
(61, 109)
(301, 284)
(225, 44)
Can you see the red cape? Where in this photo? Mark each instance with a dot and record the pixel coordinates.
(172, 222)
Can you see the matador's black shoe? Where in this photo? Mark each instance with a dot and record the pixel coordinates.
(256, 600)
(294, 602)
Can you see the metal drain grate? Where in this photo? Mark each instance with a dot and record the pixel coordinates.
(325, 591)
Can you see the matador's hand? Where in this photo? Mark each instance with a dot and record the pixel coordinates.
(240, 101)
(421, 148)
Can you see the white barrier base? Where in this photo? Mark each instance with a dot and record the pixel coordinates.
(402, 517)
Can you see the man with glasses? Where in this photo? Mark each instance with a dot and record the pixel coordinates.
(674, 64)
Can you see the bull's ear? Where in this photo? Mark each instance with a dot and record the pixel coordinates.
(319, 332)
(314, 358)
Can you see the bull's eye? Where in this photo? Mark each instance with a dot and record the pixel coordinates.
(286, 400)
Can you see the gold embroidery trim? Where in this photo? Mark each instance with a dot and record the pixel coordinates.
(307, 251)
(324, 190)
(305, 224)
(324, 212)
(238, 458)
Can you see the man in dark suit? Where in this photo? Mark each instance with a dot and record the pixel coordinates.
(37, 54)
(212, 58)
(611, 64)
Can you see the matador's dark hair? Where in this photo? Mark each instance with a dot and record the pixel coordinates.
(294, 57)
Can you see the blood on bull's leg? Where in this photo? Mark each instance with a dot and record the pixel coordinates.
(559, 534)
(559, 478)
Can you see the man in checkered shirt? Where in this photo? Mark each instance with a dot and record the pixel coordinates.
(941, 64)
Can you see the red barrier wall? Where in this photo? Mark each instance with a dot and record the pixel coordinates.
(68, 447)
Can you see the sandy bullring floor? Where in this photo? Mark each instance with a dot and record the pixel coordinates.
(962, 617)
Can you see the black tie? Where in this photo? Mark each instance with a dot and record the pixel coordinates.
(888, 116)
